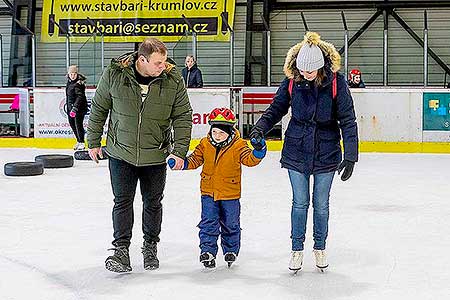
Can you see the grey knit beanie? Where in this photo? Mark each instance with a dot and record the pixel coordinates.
(310, 58)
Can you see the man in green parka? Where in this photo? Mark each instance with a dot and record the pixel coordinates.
(150, 120)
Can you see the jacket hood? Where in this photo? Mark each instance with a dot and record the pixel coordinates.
(80, 78)
(331, 55)
(126, 60)
(194, 66)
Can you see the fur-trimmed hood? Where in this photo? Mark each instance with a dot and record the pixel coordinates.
(331, 55)
(127, 59)
(81, 79)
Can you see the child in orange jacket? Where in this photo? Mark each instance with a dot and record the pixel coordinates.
(221, 153)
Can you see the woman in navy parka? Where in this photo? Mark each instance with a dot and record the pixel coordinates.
(312, 139)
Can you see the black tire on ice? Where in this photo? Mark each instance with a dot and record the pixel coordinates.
(51, 161)
(24, 168)
(84, 155)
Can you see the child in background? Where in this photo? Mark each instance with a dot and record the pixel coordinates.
(221, 153)
(355, 79)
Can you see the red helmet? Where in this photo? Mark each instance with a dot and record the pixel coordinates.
(222, 116)
(353, 73)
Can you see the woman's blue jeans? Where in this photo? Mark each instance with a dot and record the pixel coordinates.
(300, 203)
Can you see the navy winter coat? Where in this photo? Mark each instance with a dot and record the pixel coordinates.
(312, 138)
(192, 77)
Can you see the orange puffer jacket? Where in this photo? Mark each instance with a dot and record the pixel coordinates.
(221, 177)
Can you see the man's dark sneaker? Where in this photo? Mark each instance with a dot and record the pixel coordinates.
(149, 251)
(230, 258)
(119, 262)
(208, 260)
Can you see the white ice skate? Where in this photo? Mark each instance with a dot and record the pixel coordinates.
(321, 260)
(79, 146)
(296, 262)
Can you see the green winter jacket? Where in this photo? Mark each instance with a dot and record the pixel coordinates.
(140, 132)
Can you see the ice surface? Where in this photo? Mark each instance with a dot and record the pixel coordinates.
(388, 239)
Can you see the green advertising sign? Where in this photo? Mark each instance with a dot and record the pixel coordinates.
(436, 111)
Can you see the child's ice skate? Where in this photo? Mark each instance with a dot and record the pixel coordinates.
(208, 260)
(230, 258)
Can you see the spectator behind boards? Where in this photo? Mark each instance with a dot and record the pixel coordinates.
(355, 80)
(191, 74)
(76, 104)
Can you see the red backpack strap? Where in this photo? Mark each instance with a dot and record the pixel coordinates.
(291, 86)
(334, 86)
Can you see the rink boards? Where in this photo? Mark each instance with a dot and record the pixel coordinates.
(389, 119)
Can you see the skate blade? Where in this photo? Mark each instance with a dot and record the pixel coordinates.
(149, 268)
(322, 269)
(209, 265)
(294, 271)
(115, 267)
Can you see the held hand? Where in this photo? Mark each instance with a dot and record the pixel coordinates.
(262, 152)
(171, 162)
(72, 114)
(95, 153)
(175, 162)
(256, 138)
(347, 166)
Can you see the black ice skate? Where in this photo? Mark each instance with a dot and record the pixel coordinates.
(230, 258)
(208, 260)
(149, 251)
(119, 262)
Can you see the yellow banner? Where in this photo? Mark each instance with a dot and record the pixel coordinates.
(134, 20)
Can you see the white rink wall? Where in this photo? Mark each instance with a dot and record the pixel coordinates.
(383, 114)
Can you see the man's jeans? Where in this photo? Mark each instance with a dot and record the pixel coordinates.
(300, 203)
(124, 178)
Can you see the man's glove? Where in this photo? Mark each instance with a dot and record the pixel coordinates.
(347, 166)
(257, 138)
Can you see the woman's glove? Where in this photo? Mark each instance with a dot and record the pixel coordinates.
(262, 152)
(347, 166)
(257, 139)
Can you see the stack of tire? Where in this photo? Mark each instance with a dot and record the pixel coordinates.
(47, 161)
(36, 167)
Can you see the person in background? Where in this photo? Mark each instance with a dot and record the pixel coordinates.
(221, 152)
(76, 104)
(150, 119)
(355, 79)
(322, 109)
(191, 73)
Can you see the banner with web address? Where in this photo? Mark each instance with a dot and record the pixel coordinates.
(135, 20)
